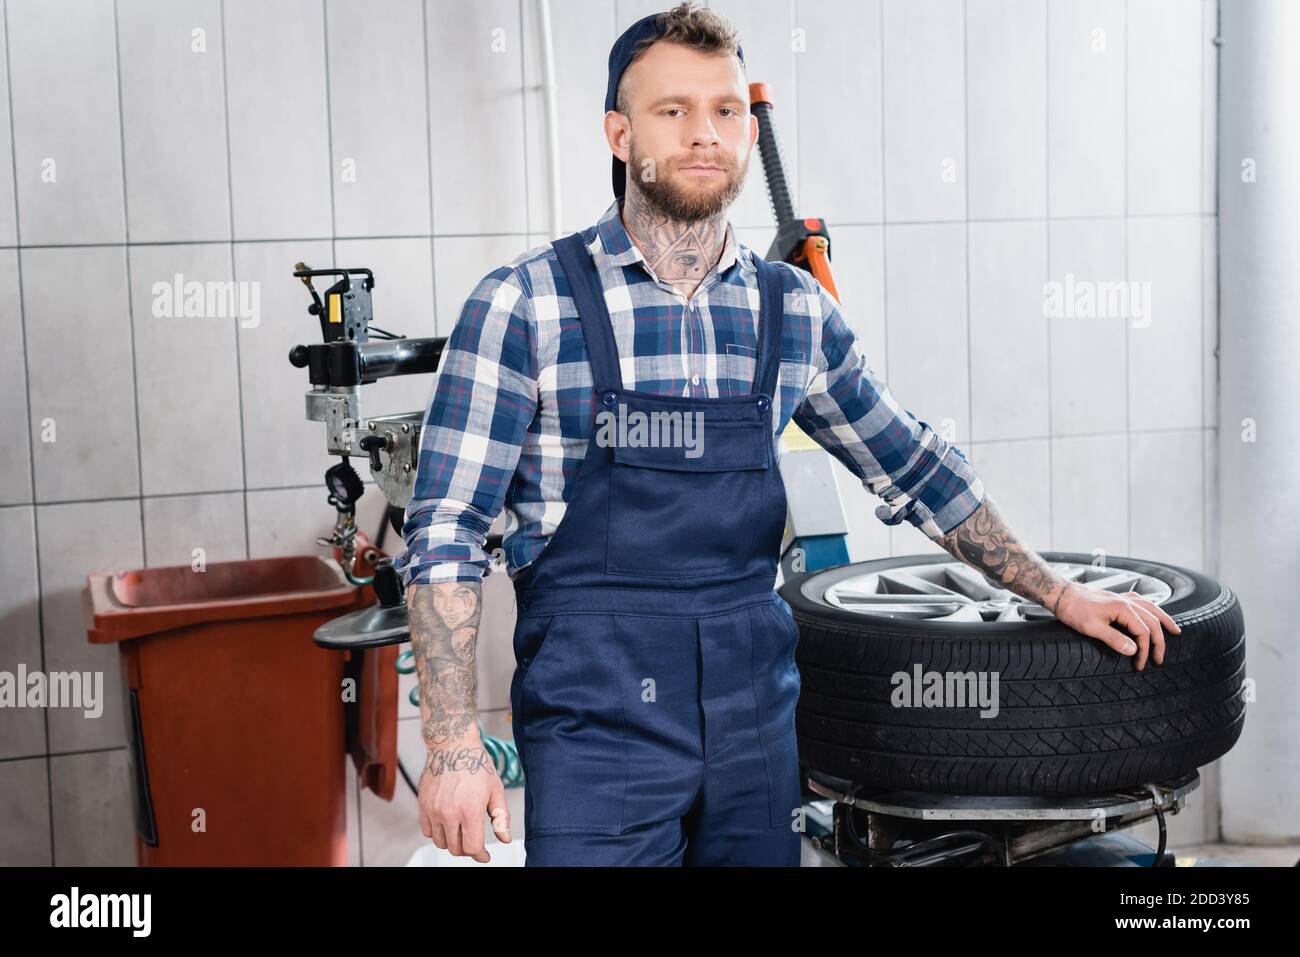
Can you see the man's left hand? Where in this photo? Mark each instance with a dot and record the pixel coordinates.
(1091, 612)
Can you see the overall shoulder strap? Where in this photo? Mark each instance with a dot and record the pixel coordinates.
(589, 297)
(771, 288)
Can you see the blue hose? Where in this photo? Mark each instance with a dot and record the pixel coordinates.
(505, 755)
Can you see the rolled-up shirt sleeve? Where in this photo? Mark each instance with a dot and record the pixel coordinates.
(483, 401)
(849, 411)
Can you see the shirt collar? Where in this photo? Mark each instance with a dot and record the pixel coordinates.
(615, 247)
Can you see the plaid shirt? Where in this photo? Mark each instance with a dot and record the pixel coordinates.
(513, 408)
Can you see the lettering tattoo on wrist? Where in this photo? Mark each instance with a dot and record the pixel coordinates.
(468, 759)
(444, 621)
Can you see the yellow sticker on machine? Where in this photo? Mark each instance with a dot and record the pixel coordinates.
(336, 307)
(796, 439)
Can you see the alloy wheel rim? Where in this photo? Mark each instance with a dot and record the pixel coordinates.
(955, 592)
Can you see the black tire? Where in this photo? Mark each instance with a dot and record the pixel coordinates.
(1074, 717)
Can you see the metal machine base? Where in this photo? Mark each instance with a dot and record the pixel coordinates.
(914, 829)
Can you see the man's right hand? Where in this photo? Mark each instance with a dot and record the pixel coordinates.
(460, 783)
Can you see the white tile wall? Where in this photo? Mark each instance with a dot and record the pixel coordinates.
(278, 118)
(926, 324)
(924, 108)
(843, 184)
(22, 733)
(1163, 123)
(963, 154)
(1009, 359)
(1089, 361)
(1086, 70)
(379, 117)
(1006, 108)
(65, 121)
(172, 76)
(77, 323)
(8, 212)
(186, 374)
(16, 478)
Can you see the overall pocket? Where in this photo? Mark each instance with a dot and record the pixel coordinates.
(531, 634)
(776, 693)
(570, 726)
(673, 516)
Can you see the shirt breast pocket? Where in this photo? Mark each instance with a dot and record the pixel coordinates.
(737, 372)
(737, 377)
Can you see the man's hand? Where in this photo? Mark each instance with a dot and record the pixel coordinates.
(458, 782)
(984, 542)
(1091, 612)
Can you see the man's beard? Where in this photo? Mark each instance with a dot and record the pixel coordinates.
(688, 204)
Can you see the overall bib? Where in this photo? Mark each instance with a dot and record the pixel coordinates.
(655, 688)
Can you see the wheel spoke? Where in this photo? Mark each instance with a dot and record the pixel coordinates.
(927, 610)
(1013, 612)
(899, 582)
(974, 584)
(956, 592)
(963, 613)
(1120, 581)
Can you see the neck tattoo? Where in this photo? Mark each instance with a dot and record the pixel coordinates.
(681, 252)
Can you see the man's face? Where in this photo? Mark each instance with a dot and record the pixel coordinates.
(691, 132)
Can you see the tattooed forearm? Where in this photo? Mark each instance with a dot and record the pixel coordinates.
(458, 759)
(444, 633)
(680, 252)
(985, 542)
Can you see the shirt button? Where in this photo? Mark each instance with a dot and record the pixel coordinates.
(695, 380)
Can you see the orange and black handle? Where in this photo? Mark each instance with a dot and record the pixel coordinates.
(803, 242)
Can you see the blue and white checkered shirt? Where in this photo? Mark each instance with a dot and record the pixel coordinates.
(513, 407)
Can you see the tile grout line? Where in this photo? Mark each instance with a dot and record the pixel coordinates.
(234, 275)
(428, 148)
(195, 494)
(526, 235)
(527, 98)
(31, 447)
(884, 214)
(1128, 342)
(130, 313)
(334, 226)
(965, 175)
(1047, 257)
(13, 759)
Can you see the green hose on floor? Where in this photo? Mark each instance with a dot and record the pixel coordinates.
(505, 756)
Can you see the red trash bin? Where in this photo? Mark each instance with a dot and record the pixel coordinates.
(235, 716)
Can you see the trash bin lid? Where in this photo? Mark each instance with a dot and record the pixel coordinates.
(146, 601)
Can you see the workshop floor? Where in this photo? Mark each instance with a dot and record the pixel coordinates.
(1244, 854)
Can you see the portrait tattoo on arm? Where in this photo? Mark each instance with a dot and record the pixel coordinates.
(444, 621)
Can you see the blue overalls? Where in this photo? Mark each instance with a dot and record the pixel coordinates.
(654, 694)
